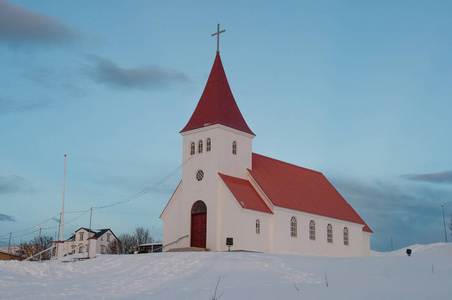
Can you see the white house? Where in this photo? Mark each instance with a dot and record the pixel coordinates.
(79, 241)
(263, 204)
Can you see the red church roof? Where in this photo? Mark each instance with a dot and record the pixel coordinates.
(217, 104)
(245, 194)
(301, 189)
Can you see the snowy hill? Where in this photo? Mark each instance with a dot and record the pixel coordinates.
(425, 275)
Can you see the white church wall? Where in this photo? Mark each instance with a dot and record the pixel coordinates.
(176, 221)
(240, 224)
(284, 242)
(366, 243)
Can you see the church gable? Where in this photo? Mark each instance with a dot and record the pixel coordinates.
(292, 187)
(245, 194)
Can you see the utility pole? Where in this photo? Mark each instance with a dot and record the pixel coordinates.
(90, 218)
(444, 222)
(40, 242)
(89, 231)
(153, 241)
(62, 210)
(9, 243)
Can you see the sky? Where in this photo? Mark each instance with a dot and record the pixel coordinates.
(358, 90)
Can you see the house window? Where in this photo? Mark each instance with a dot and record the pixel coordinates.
(234, 147)
(102, 238)
(346, 237)
(108, 237)
(81, 236)
(192, 148)
(200, 146)
(293, 227)
(258, 226)
(329, 233)
(312, 230)
(102, 249)
(208, 144)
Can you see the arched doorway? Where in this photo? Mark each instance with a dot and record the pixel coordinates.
(198, 225)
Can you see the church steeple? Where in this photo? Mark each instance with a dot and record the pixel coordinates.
(217, 104)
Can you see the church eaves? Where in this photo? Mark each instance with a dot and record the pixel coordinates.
(217, 104)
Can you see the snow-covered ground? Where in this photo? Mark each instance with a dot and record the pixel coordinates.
(427, 274)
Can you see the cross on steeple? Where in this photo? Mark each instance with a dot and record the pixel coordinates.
(218, 37)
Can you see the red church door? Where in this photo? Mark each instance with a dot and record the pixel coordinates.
(198, 225)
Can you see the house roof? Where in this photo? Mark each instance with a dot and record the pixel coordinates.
(301, 189)
(97, 232)
(245, 194)
(217, 104)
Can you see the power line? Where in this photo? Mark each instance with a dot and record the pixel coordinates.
(33, 229)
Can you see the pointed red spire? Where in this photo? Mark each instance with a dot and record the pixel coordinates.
(217, 104)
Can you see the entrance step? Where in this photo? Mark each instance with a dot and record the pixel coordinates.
(188, 249)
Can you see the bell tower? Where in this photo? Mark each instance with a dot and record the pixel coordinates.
(216, 140)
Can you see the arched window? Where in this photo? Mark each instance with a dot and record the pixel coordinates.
(234, 147)
(258, 226)
(329, 233)
(200, 146)
(208, 144)
(199, 207)
(192, 148)
(293, 227)
(346, 237)
(312, 230)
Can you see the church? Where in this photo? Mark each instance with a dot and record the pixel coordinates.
(256, 203)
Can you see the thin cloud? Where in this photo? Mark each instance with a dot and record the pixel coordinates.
(6, 218)
(106, 72)
(13, 184)
(58, 80)
(10, 106)
(20, 27)
(442, 177)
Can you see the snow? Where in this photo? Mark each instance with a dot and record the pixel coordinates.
(426, 274)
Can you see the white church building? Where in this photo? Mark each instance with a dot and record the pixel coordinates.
(263, 204)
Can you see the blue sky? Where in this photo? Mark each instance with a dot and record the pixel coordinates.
(359, 90)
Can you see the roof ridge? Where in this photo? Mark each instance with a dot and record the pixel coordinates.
(293, 165)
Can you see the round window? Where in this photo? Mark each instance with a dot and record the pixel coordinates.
(199, 175)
